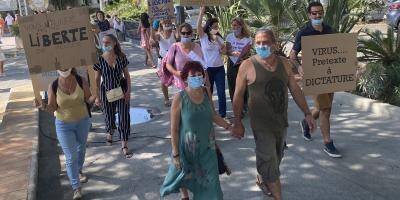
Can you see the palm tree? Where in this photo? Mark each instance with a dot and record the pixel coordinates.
(382, 52)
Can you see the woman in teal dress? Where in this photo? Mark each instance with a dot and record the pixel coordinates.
(194, 160)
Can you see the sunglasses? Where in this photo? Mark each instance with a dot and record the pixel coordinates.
(316, 13)
(186, 33)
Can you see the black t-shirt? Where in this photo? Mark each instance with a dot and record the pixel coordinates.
(308, 30)
(104, 25)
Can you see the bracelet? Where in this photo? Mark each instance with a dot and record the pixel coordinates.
(175, 156)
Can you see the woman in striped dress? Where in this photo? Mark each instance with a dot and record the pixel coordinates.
(113, 69)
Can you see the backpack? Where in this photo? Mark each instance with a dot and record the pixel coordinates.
(54, 87)
(163, 73)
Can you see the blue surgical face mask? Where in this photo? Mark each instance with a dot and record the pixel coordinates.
(264, 51)
(237, 31)
(106, 48)
(186, 40)
(317, 22)
(195, 82)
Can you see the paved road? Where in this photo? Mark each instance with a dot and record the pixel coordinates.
(369, 170)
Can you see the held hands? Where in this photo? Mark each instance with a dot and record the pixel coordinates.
(238, 131)
(39, 104)
(311, 122)
(97, 101)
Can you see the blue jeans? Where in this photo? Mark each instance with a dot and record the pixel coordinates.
(217, 75)
(72, 137)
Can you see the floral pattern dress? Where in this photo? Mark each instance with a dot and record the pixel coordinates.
(199, 173)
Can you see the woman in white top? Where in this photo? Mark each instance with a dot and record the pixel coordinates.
(239, 45)
(213, 47)
(165, 37)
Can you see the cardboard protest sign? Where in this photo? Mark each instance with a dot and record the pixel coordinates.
(46, 78)
(202, 2)
(161, 9)
(329, 63)
(58, 40)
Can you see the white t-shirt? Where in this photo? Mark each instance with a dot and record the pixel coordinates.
(211, 51)
(165, 44)
(9, 20)
(237, 44)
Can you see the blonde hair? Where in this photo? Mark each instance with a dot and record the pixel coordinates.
(245, 28)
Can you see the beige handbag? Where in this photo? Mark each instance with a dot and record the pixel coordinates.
(114, 94)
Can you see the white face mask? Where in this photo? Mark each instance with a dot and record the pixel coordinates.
(214, 31)
(167, 28)
(64, 74)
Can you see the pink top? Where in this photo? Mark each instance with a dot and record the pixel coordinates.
(180, 59)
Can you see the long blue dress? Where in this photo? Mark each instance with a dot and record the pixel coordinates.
(199, 172)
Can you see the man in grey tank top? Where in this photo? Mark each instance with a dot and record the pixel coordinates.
(268, 78)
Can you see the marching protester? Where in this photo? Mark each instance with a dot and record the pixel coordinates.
(101, 22)
(322, 102)
(213, 47)
(117, 27)
(2, 60)
(195, 164)
(123, 29)
(115, 90)
(144, 31)
(239, 45)
(165, 37)
(182, 52)
(9, 21)
(67, 99)
(268, 77)
(2, 24)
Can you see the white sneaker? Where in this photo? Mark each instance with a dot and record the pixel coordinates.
(83, 178)
(77, 194)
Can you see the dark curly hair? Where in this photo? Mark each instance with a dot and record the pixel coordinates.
(193, 67)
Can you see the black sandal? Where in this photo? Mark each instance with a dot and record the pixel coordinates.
(186, 198)
(263, 187)
(126, 153)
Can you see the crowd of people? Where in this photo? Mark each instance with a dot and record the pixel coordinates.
(258, 85)
(6, 26)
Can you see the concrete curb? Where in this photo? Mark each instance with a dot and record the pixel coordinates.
(368, 105)
(34, 165)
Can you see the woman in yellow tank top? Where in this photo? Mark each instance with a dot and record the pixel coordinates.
(72, 123)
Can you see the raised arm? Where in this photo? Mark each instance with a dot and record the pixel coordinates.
(199, 22)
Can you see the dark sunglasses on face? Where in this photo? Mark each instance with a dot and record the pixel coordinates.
(316, 13)
(186, 33)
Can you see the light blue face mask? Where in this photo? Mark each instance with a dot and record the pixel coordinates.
(106, 48)
(263, 51)
(195, 82)
(317, 22)
(186, 40)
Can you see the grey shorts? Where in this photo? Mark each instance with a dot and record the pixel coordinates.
(269, 153)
